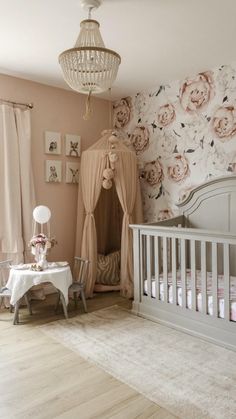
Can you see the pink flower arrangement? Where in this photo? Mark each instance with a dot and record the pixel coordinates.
(40, 240)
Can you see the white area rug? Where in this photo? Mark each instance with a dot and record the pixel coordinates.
(191, 378)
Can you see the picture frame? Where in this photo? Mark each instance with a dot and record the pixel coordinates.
(72, 172)
(52, 142)
(73, 145)
(53, 171)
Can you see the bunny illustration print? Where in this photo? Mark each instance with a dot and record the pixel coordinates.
(53, 177)
(53, 171)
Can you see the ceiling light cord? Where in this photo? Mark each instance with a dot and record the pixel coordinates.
(110, 109)
(90, 12)
(88, 110)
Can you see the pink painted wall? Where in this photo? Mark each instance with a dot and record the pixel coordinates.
(60, 111)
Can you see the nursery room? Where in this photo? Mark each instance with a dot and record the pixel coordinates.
(118, 209)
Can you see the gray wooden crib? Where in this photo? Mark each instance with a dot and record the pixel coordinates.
(185, 267)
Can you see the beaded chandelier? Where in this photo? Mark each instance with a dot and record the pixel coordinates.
(89, 67)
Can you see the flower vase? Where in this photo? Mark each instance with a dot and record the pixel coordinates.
(43, 261)
(40, 254)
(35, 253)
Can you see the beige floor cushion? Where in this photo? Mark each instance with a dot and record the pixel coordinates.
(108, 269)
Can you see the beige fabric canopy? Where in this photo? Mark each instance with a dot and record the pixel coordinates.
(93, 163)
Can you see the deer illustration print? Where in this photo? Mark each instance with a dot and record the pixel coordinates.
(74, 175)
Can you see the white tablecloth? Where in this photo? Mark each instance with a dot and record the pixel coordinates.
(21, 280)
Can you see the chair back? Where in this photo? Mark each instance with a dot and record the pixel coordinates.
(4, 271)
(80, 272)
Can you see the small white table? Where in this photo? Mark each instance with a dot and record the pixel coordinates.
(21, 280)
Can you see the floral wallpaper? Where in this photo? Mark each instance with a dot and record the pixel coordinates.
(183, 134)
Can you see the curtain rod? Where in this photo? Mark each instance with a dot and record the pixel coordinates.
(28, 105)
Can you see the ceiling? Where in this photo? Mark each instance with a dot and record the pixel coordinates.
(158, 40)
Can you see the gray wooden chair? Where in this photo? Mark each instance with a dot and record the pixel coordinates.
(80, 274)
(5, 266)
(4, 291)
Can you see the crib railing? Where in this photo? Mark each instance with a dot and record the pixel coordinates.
(164, 252)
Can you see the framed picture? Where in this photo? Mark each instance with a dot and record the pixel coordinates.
(72, 172)
(73, 145)
(53, 171)
(52, 142)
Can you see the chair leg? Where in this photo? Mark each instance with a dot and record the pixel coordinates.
(16, 313)
(75, 298)
(83, 300)
(62, 298)
(57, 302)
(28, 303)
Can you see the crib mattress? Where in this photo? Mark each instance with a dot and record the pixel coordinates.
(198, 292)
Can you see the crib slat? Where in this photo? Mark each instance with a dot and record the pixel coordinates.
(226, 283)
(165, 273)
(141, 252)
(168, 254)
(183, 271)
(203, 277)
(174, 277)
(137, 273)
(193, 273)
(214, 279)
(157, 268)
(149, 262)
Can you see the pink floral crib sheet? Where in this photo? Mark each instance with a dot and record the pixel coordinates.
(198, 292)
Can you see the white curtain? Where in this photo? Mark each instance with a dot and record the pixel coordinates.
(17, 196)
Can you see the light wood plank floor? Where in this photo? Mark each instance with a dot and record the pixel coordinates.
(42, 379)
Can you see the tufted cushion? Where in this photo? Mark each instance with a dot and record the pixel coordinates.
(108, 269)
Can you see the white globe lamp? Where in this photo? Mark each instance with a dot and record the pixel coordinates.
(41, 214)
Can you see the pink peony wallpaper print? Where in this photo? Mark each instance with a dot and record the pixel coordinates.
(183, 133)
